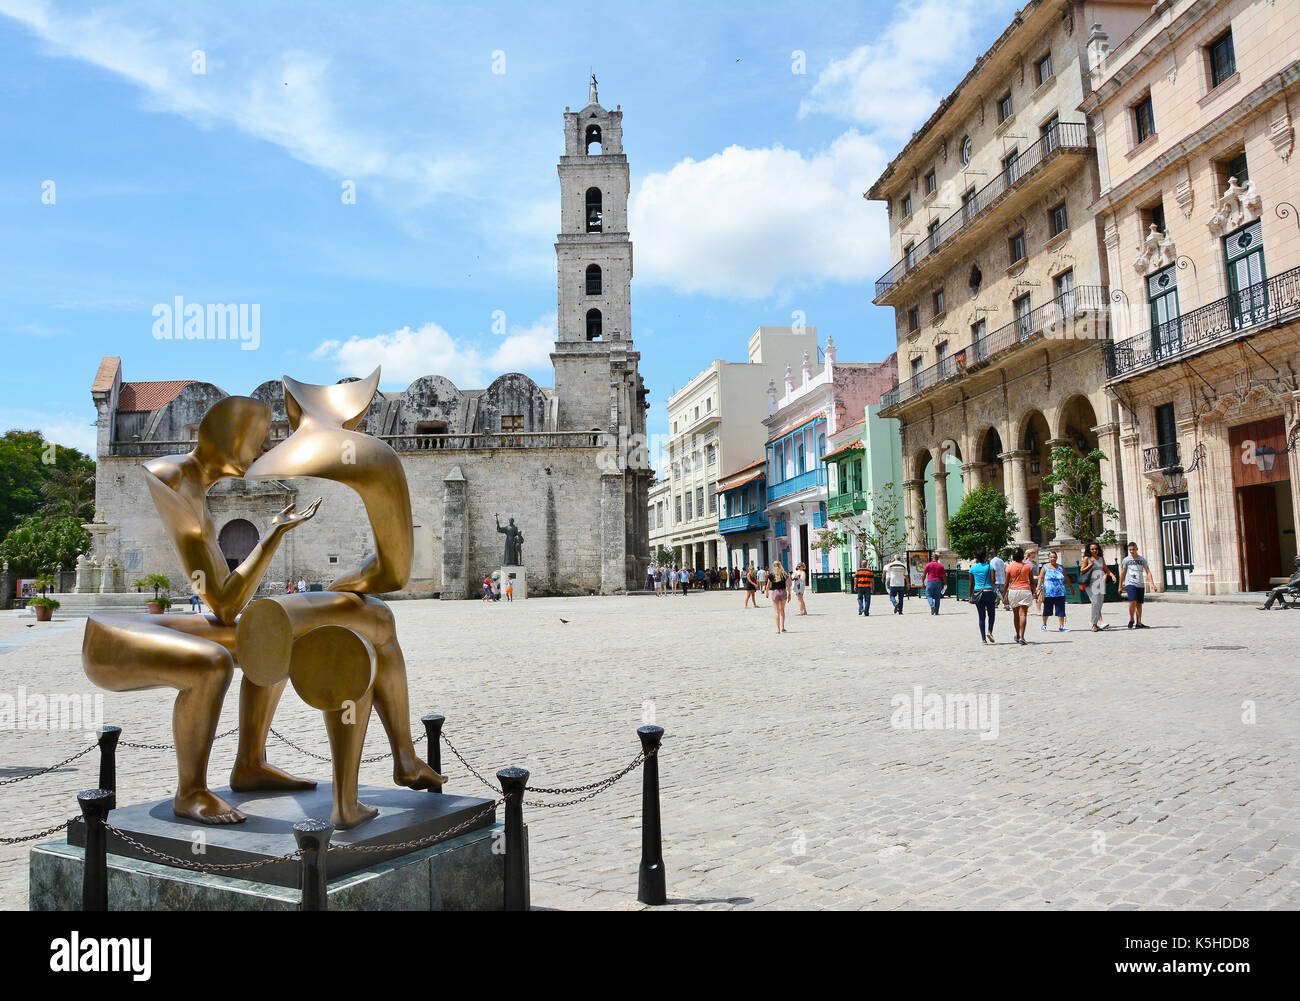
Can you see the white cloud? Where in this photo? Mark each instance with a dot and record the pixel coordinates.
(745, 221)
(283, 99)
(887, 85)
(62, 428)
(407, 354)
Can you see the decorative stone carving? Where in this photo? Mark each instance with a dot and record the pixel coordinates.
(1183, 190)
(1171, 66)
(1280, 132)
(1157, 252)
(1235, 207)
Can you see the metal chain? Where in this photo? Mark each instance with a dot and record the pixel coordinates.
(472, 770)
(169, 747)
(35, 837)
(200, 866)
(43, 771)
(425, 841)
(591, 785)
(600, 786)
(324, 757)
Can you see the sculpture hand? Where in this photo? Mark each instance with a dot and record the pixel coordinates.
(288, 518)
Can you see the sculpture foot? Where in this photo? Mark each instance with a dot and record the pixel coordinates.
(206, 807)
(346, 817)
(415, 774)
(266, 778)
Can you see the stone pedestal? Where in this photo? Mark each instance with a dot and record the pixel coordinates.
(465, 872)
(514, 575)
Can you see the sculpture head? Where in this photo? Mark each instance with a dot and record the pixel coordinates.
(232, 433)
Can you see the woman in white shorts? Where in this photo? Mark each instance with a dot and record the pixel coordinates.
(796, 584)
(1019, 592)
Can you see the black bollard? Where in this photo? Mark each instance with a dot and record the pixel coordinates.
(313, 837)
(650, 885)
(108, 737)
(513, 783)
(433, 734)
(95, 804)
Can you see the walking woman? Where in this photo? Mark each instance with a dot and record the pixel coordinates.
(751, 586)
(1031, 557)
(797, 582)
(778, 580)
(1093, 574)
(1052, 584)
(1019, 593)
(983, 593)
(934, 577)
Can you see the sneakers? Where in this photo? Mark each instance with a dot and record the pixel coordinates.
(1064, 629)
(1044, 629)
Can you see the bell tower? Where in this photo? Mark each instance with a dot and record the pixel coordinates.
(597, 384)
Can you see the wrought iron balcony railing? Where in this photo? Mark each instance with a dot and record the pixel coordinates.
(1064, 135)
(1158, 457)
(1269, 301)
(1079, 314)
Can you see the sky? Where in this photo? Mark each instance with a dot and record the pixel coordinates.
(376, 182)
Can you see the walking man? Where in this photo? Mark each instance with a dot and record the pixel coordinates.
(1131, 570)
(896, 581)
(863, 581)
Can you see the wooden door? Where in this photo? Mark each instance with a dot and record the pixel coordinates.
(1257, 515)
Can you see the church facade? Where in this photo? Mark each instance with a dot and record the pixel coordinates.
(568, 462)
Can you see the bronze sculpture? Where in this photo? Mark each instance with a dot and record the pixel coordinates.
(339, 647)
(514, 551)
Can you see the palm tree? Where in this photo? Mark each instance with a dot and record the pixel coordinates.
(70, 492)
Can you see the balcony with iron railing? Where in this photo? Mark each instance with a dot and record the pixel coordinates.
(754, 521)
(1063, 136)
(803, 481)
(1080, 314)
(1160, 457)
(1246, 311)
(850, 502)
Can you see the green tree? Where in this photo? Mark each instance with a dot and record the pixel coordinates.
(70, 491)
(664, 556)
(41, 544)
(1072, 487)
(882, 527)
(984, 521)
(37, 475)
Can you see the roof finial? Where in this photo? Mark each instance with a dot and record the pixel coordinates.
(594, 99)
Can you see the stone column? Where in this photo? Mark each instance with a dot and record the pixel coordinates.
(1064, 539)
(912, 506)
(972, 476)
(613, 529)
(7, 587)
(940, 477)
(1113, 475)
(1013, 467)
(455, 537)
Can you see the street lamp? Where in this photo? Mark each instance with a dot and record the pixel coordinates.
(1265, 456)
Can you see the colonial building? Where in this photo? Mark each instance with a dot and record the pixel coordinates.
(742, 520)
(716, 424)
(999, 286)
(1192, 112)
(569, 463)
(799, 424)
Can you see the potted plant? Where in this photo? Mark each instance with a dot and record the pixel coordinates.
(159, 603)
(44, 605)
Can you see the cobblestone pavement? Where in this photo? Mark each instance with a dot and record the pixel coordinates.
(1125, 771)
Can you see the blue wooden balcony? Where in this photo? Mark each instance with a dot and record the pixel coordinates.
(804, 481)
(755, 521)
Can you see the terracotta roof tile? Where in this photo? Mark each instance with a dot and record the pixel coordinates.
(138, 396)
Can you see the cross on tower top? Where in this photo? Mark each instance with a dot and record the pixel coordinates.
(593, 98)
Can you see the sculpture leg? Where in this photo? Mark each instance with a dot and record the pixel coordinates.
(347, 734)
(392, 702)
(251, 772)
(127, 653)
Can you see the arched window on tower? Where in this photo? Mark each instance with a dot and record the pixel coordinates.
(593, 279)
(593, 325)
(594, 211)
(593, 138)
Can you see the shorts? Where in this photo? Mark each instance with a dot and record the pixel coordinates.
(1020, 599)
(1054, 606)
(778, 594)
(1137, 594)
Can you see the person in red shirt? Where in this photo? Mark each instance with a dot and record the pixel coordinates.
(935, 573)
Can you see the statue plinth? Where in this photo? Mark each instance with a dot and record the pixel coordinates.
(515, 576)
